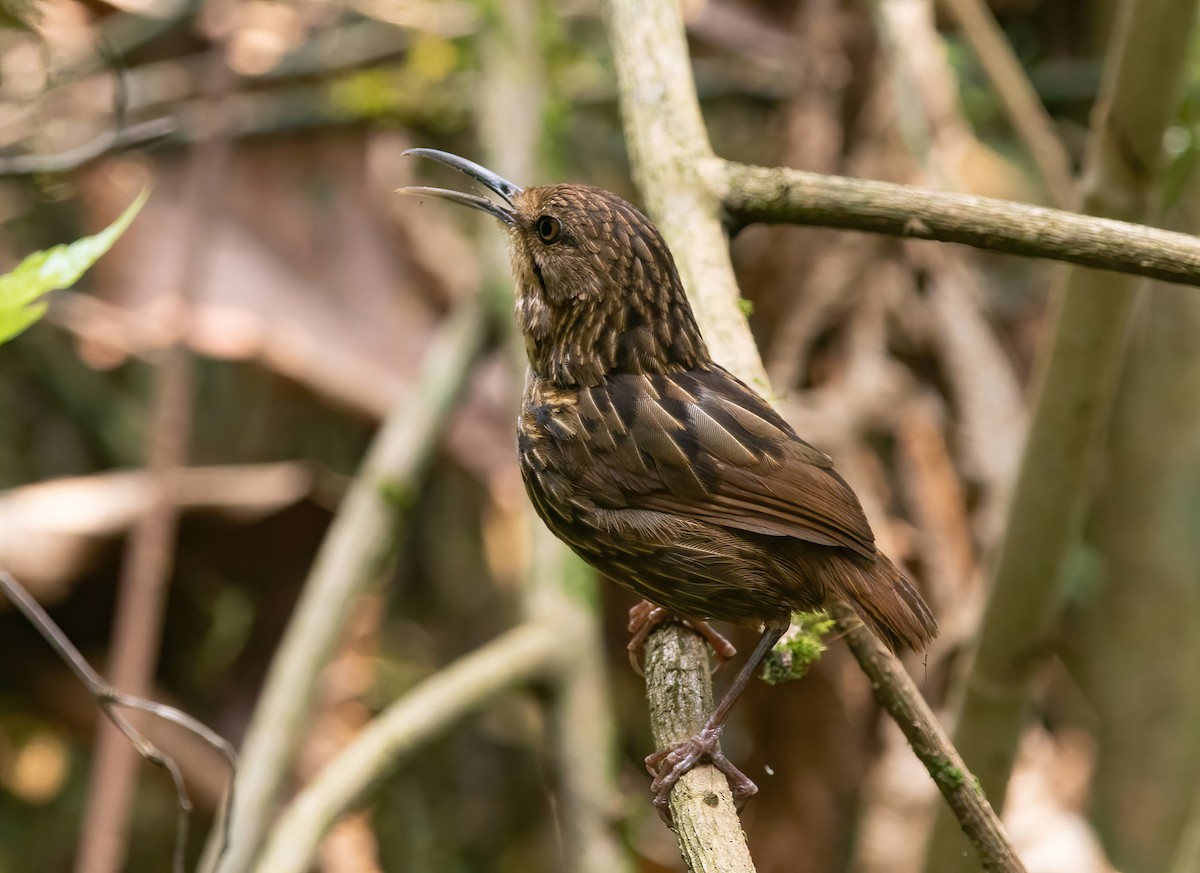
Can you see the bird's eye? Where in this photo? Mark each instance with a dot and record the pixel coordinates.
(548, 229)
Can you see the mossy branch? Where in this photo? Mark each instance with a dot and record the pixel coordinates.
(898, 695)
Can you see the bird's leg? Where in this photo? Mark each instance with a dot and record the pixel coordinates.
(645, 617)
(669, 765)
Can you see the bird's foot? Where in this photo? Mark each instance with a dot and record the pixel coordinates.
(668, 766)
(645, 617)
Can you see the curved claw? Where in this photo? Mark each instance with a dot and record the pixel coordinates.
(667, 766)
(645, 617)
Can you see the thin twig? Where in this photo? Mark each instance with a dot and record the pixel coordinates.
(110, 699)
(897, 693)
(773, 195)
(73, 159)
(522, 655)
(1028, 115)
(361, 536)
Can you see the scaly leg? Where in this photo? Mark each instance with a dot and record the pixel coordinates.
(669, 765)
(645, 617)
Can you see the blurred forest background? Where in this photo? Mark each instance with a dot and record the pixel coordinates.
(275, 300)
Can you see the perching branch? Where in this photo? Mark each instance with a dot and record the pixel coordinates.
(521, 655)
(110, 700)
(778, 195)
(679, 691)
(667, 142)
(358, 541)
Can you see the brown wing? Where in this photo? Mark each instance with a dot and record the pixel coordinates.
(703, 445)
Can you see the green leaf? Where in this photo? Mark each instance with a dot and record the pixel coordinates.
(52, 269)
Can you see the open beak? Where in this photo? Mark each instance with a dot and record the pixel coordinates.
(501, 187)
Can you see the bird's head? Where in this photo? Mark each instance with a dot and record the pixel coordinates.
(597, 291)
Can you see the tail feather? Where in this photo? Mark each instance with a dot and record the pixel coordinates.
(889, 605)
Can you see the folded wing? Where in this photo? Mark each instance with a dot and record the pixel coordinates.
(701, 444)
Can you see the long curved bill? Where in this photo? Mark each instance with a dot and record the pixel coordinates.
(496, 184)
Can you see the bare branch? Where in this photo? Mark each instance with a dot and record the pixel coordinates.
(679, 690)
(668, 148)
(73, 159)
(774, 195)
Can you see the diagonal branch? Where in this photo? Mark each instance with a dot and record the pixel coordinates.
(358, 541)
(528, 652)
(904, 703)
(1025, 109)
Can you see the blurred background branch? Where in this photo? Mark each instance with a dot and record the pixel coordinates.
(1016, 93)
(352, 557)
(111, 700)
(1076, 385)
(556, 587)
(529, 652)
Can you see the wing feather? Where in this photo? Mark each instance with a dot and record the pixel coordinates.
(702, 445)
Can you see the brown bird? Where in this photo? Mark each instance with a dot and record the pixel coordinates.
(657, 466)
